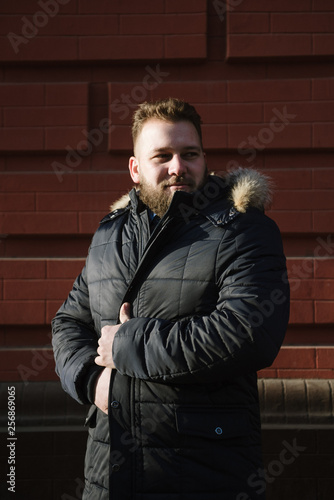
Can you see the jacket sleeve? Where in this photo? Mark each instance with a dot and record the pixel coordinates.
(245, 329)
(75, 343)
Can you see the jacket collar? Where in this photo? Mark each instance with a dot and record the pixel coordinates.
(236, 192)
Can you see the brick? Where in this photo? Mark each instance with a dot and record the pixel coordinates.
(293, 179)
(33, 182)
(265, 46)
(295, 358)
(303, 200)
(292, 222)
(257, 137)
(267, 373)
(272, 6)
(323, 44)
(301, 312)
(305, 374)
(121, 48)
(39, 223)
(195, 92)
(116, 163)
(323, 222)
(269, 90)
(324, 311)
(64, 268)
(82, 25)
(300, 268)
(17, 203)
(247, 23)
(22, 7)
(324, 268)
(322, 135)
(323, 89)
(325, 357)
(163, 24)
(305, 111)
(74, 201)
(110, 182)
(21, 94)
(324, 289)
(22, 312)
(230, 113)
(89, 222)
(302, 289)
(21, 139)
(22, 268)
(66, 94)
(41, 49)
(27, 365)
(36, 289)
(320, 160)
(43, 116)
(307, 22)
(11, 358)
(52, 307)
(120, 139)
(103, 7)
(60, 138)
(214, 136)
(107, 7)
(323, 178)
(185, 47)
(186, 6)
(18, 335)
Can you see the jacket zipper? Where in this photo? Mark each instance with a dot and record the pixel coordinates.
(157, 234)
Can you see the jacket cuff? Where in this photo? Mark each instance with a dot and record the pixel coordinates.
(90, 380)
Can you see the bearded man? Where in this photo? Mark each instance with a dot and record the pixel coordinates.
(182, 300)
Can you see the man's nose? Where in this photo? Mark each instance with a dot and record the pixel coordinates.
(177, 166)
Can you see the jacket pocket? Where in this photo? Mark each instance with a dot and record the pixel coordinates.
(213, 422)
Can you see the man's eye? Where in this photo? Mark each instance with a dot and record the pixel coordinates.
(163, 156)
(190, 154)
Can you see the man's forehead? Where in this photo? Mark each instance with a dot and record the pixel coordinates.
(160, 134)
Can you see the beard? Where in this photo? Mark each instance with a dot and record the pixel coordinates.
(158, 198)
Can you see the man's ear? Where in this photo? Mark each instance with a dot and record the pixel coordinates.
(134, 169)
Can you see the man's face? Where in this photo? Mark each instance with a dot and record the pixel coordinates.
(169, 158)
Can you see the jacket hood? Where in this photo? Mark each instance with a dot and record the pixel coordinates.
(247, 188)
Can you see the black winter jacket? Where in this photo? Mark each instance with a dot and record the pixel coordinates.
(210, 306)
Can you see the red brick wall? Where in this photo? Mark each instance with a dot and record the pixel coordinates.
(261, 75)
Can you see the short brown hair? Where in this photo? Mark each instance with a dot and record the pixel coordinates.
(170, 109)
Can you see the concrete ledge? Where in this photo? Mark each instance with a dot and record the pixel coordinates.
(296, 401)
(283, 402)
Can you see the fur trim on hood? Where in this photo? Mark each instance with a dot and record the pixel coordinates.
(248, 188)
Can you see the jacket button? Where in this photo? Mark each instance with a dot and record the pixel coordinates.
(115, 468)
(114, 404)
(219, 431)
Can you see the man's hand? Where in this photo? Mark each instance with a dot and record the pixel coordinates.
(102, 390)
(106, 340)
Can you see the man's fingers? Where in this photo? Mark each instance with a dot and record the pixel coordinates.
(125, 312)
(98, 361)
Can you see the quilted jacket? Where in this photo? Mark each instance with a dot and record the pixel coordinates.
(210, 306)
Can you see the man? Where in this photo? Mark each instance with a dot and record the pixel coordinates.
(183, 298)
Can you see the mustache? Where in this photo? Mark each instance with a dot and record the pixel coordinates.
(178, 179)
